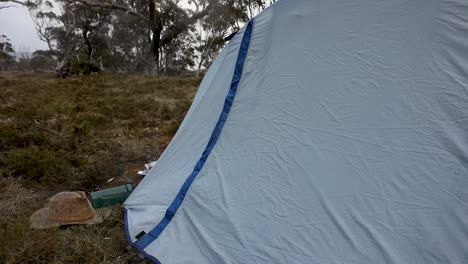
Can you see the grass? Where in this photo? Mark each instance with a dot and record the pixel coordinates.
(75, 134)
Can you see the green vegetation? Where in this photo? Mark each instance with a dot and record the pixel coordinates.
(75, 134)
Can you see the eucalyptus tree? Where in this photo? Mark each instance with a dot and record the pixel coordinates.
(151, 36)
(213, 29)
(75, 35)
(164, 20)
(7, 53)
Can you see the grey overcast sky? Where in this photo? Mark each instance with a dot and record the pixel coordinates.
(16, 23)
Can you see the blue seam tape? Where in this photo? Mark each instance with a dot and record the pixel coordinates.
(147, 239)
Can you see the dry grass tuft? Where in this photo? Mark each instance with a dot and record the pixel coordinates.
(13, 197)
(74, 134)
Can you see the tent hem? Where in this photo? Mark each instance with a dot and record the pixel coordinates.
(129, 239)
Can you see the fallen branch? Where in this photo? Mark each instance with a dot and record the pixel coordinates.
(45, 129)
(112, 6)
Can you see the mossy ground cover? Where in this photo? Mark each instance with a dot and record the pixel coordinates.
(75, 134)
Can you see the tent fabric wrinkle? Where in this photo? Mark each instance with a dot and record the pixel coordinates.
(154, 234)
(324, 132)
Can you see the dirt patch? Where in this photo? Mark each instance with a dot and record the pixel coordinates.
(130, 176)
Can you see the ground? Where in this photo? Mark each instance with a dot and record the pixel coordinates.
(76, 134)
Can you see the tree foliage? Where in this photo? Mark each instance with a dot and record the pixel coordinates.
(7, 53)
(149, 36)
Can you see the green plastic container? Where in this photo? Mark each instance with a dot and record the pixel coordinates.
(110, 196)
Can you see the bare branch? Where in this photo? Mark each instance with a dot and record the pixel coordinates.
(41, 28)
(197, 6)
(182, 25)
(37, 125)
(14, 1)
(113, 7)
(6, 6)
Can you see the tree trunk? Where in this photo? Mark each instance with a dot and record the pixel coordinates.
(63, 68)
(89, 45)
(156, 37)
(155, 46)
(197, 74)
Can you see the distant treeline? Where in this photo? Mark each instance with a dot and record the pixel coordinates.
(132, 36)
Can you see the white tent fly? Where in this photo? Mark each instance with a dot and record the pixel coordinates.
(325, 132)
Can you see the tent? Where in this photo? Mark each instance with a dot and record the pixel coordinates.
(325, 132)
